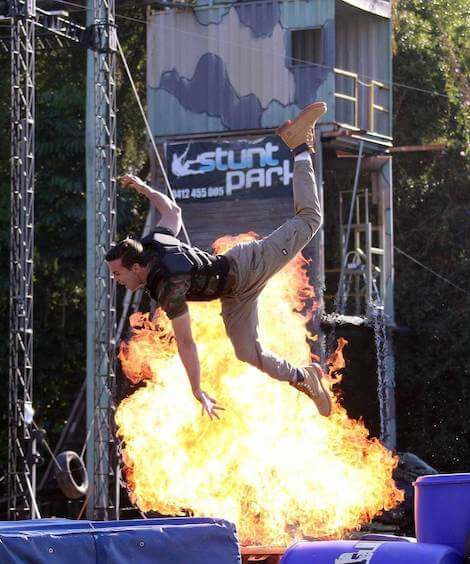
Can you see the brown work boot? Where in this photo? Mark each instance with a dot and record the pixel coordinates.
(314, 387)
(299, 134)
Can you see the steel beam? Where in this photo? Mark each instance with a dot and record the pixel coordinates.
(57, 32)
(101, 232)
(100, 36)
(22, 444)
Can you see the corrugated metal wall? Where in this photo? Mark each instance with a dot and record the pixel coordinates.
(207, 221)
(227, 67)
(363, 47)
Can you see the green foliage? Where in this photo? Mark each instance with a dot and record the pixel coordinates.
(432, 211)
(60, 212)
(432, 219)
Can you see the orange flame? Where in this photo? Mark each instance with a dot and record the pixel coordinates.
(271, 464)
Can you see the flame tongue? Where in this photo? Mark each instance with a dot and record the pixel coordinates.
(271, 465)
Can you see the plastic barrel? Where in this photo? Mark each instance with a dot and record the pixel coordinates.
(366, 552)
(442, 509)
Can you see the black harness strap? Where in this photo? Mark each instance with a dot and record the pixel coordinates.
(170, 257)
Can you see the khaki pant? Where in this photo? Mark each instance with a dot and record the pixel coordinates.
(254, 263)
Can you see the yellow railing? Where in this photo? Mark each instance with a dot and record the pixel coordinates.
(352, 99)
(376, 107)
(352, 94)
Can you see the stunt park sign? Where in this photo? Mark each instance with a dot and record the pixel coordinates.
(200, 170)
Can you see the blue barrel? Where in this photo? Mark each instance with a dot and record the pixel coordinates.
(442, 509)
(369, 552)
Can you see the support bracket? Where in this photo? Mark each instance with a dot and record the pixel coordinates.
(100, 38)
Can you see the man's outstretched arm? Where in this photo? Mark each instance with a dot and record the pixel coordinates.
(170, 213)
(188, 353)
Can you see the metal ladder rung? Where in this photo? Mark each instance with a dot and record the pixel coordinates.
(362, 227)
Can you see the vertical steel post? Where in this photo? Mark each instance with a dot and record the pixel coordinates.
(385, 185)
(318, 244)
(385, 188)
(22, 444)
(101, 232)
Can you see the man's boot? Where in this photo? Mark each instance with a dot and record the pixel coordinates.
(299, 134)
(313, 386)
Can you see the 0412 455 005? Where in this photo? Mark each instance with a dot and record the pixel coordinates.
(199, 193)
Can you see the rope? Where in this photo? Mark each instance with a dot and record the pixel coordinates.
(88, 435)
(97, 407)
(150, 134)
(443, 278)
(33, 497)
(48, 448)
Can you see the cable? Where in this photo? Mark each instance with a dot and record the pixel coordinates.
(150, 134)
(243, 46)
(33, 497)
(144, 117)
(112, 406)
(83, 7)
(46, 444)
(88, 435)
(432, 271)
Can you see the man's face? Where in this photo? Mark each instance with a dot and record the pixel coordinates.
(132, 278)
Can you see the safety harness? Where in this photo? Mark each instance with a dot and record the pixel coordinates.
(171, 257)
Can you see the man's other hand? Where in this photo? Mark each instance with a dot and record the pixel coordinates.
(132, 181)
(209, 405)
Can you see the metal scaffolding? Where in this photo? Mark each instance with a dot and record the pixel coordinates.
(101, 232)
(100, 38)
(21, 440)
(365, 288)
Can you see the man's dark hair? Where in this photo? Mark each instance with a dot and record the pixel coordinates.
(130, 251)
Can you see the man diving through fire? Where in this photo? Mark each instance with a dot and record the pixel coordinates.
(175, 273)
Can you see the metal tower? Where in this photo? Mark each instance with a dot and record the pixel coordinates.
(101, 232)
(21, 442)
(100, 38)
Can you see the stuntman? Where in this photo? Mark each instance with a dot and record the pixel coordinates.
(175, 273)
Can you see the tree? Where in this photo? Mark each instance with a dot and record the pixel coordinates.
(60, 210)
(432, 203)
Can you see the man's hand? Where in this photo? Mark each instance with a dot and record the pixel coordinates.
(132, 181)
(209, 405)
(188, 353)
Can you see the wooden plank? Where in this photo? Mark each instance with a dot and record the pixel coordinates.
(262, 554)
(417, 148)
(263, 550)
(207, 221)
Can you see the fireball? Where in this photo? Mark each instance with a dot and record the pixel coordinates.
(271, 464)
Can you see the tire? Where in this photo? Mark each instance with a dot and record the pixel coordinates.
(71, 475)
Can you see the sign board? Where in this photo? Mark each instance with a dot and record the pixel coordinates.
(204, 170)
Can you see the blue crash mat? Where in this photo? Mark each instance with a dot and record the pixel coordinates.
(144, 541)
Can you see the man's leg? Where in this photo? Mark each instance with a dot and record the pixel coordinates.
(241, 323)
(256, 262)
(277, 249)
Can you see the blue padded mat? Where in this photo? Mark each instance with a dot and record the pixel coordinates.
(146, 541)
